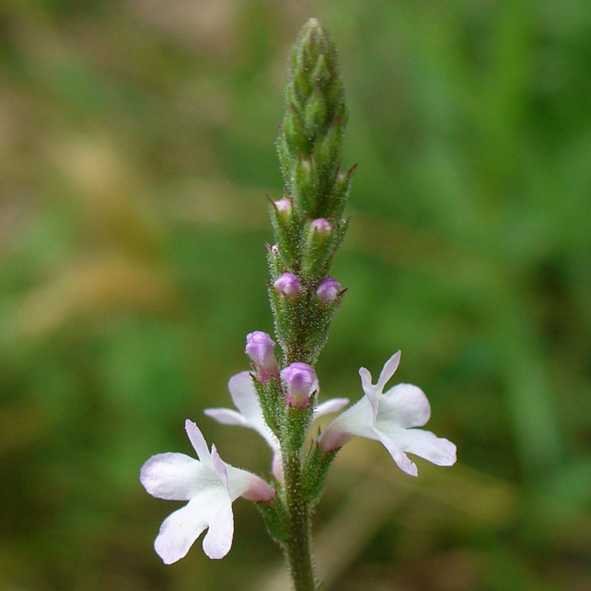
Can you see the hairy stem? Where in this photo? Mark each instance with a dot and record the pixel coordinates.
(298, 547)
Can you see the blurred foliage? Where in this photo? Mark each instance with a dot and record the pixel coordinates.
(137, 147)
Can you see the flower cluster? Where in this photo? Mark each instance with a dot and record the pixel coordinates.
(278, 398)
(211, 486)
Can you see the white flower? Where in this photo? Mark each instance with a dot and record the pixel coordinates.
(210, 485)
(250, 416)
(389, 418)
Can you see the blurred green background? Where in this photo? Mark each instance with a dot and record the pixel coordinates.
(137, 145)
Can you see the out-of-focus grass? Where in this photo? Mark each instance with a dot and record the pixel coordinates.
(137, 148)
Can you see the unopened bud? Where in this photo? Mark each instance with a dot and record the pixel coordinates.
(260, 348)
(288, 285)
(321, 226)
(284, 207)
(300, 382)
(328, 290)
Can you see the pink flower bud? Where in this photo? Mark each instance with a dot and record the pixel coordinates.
(301, 382)
(328, 290)
(321, 226)
(288, 285)
(284, 206)
(260, 348)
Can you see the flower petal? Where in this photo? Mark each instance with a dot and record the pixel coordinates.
(388, 371)
(220, 468)
(197, 441)
(171, 476)
(366, 380)
(404, 405)
(226, 416)
(330, 406)
(246, 400)
(180, 529)
(218, 540)
(427, 445)
(369, 390)
(398, 455)
(244, 395)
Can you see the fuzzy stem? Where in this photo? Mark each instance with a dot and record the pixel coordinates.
(298, 547)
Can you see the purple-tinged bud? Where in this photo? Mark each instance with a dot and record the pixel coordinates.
(328, 290)
(260, 348)
(288, 285)
(284, 206)
(321, 226)
(301, 382)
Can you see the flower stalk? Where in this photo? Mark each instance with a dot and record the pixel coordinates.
(309, 228)
(278, 398)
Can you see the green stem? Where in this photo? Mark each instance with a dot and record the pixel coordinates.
(298, 547)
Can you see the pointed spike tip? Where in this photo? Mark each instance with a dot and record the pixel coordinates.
(313, 25)
(313, 34)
